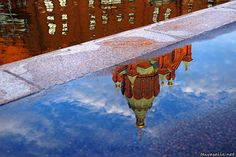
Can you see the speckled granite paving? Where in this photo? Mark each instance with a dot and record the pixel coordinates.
(41, 72)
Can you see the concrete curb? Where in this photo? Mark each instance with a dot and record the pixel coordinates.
(26, 77)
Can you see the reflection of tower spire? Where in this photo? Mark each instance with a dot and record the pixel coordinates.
(117, 91)
(140, 135)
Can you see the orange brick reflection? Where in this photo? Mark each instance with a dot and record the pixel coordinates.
(42, 26)
(13, 52)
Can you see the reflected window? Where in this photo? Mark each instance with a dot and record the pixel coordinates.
(104, 18)
(167, 13)
(64, 28)
(131, 18)
(119, 17)
(157, 2)
(111, 1)
(190, 7)
(49, 5)
(50, 18)
(62, 3)
(64, 16)
(91, 2)
(210, 3)
(92, 23)
(155, 14)
(52, 28)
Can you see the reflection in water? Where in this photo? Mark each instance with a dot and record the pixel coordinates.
(29, 28)
(89, 119)
(140, 81)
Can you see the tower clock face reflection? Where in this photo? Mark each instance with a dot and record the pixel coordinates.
(140, 82)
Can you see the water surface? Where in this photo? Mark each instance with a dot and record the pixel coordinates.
(178, 104)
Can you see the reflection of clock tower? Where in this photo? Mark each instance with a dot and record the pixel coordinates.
(140, 81)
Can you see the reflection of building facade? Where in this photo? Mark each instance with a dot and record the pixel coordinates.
(140, 81)
(35, 27)
(13, 26)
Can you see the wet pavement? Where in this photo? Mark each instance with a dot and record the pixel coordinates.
(178, 103)
(29, 28)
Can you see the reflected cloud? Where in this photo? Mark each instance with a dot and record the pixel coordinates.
(188, 90)
(21, 126)
(99, 102)
(89, 97)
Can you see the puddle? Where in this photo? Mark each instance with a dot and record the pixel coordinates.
(181, 103)
(29, 28)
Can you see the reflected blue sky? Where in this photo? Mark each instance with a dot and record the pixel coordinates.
(89, 117)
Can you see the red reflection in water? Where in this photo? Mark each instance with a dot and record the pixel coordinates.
(29, 28)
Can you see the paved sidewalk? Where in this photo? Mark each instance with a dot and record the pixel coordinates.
(26, 77)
